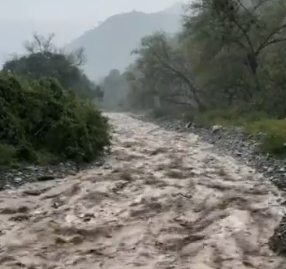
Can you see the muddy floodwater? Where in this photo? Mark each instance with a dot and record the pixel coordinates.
(163, 200)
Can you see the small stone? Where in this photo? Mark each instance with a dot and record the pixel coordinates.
(106, 166)
(216, 128)
(32, 168)
(270, 169)
(18, 179)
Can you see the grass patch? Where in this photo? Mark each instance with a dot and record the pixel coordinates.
(274, 141)
(253, 122)
(231, 117)
(8, 155)
(169, 112)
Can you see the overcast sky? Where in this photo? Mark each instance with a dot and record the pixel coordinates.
(69, 18)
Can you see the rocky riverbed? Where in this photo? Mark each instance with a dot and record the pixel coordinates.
(231, 141)
(14, 178)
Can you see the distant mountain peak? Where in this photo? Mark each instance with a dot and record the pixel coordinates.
(109, 45)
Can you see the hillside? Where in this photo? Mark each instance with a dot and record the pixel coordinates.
(109, 45)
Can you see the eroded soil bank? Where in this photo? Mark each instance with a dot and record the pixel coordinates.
(164, 200)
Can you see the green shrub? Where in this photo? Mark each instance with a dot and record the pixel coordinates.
(274, 144)
(39, 118)
(8, 154)
(275, 139)
(230, 117)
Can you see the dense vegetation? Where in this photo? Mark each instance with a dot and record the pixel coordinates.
(44, 60)
(226, 66)
(43, 119)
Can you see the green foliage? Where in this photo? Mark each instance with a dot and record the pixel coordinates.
(44, 60)
(253, 122)
(8, 155)
(42, 122)
(275, 145)
(229, 53)
(227, 66)
(229, 117)
(161, 74)
(275, 139)
(47, 64)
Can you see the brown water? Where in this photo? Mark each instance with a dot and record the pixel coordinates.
(165, 201)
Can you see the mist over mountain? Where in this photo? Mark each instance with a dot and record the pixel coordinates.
(109, 45)
(177, 8)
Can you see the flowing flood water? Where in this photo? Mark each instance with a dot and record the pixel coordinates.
(163, 200)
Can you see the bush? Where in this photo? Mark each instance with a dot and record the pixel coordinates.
(8, 154)
(228, 117)
(44, 122)
(275, 139)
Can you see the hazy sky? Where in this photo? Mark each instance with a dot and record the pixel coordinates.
(69, 18)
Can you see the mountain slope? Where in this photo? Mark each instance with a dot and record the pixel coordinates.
(109, 45)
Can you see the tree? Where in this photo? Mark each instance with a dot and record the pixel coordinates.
(114, 86)
(251, 26)
(40, 44)
(230, 53)
(43, 59)
(166, 71)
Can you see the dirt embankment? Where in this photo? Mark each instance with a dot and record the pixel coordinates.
(164, 200)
